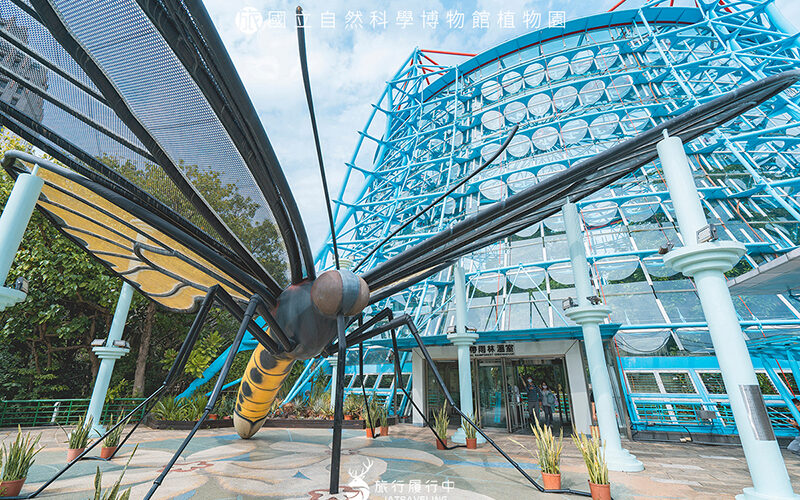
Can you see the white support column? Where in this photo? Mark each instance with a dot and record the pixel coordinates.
(462, 340)
(590, 316)
(13, 221)
(706, 263)
(109, 354)
(418, 386)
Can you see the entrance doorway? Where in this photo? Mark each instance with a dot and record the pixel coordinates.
(502, 395)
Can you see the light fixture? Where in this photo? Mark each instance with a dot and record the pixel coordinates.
(707, 233)
(568, 303)
(122, 343)
(98, 342)
(21, 284)
(594, 300)
(665, 248)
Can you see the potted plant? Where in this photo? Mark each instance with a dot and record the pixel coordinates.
(471, 433)
(19, 457)
(593, 451)
(383, 416)
(441, 421)
(79, 438)
(113, 493)
(549, 454)
(352, 406)
(111, 442)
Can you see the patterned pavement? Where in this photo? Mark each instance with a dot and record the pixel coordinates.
(294, 463)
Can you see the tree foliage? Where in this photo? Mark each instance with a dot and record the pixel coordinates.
(45, 341)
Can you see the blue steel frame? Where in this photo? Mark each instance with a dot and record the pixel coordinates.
(433, 122)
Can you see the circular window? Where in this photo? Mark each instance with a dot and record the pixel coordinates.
(519, 146)
(512, 82)
(582, 61)
(492, 189)
(604, 125)
(533, 75)
(539, 105)
(515, 112)
(521, 180)
(607, 57)
(491, 91)
(634, 121)
(565, 97)
(550, 170)
(492, 120)
(545, 138)
(619, 87)
(526, 279)
(592, 92)
(572, 132)
(557, 67)
(488, 150)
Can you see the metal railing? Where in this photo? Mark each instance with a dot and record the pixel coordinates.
(38, 412)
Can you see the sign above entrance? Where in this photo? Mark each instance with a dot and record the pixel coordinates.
(491, 350)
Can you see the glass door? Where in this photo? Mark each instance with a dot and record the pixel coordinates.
(491, 393)
(517, 417)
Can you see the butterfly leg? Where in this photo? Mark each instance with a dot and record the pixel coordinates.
(172, 375)
(246, 323)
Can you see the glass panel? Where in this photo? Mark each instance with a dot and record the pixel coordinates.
(449, 372)
(492, 408)
(766, 384)
(643, 382)
(677, 383)
(386, 381)
(713, 382)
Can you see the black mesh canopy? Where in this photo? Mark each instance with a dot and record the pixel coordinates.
(100, 86)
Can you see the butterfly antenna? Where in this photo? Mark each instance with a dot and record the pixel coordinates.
(301, 42)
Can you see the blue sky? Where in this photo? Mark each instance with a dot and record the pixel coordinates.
(349, 68)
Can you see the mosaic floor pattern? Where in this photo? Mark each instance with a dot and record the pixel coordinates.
(294, 464)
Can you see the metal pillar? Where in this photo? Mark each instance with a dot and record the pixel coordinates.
(109, 354)
(590, 316)
(462, 340)
(13, 221)
(706, 263)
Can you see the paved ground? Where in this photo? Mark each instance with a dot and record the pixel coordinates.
(282, 463)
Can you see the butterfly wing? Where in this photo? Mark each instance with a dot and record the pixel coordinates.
(160, 260)
(98, 87)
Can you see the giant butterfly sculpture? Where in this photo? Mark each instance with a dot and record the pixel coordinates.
(140, 102)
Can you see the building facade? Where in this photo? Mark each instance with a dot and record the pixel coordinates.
(573, 92)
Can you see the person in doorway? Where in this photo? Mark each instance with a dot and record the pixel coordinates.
(794, 446)
(548, 401)
(534, 400)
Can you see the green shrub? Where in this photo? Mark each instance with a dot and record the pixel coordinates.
(113, 438)
(549, 450)
(113, 493)
(170, 409)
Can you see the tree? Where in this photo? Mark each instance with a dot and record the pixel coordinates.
(45, 341)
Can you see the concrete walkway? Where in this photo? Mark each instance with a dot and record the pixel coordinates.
(293, 463)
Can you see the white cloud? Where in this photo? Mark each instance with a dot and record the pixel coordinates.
(348, 71)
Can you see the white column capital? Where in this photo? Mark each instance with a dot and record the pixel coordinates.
(460, 339)
(106, 352)
(584, 315)
(719, 256)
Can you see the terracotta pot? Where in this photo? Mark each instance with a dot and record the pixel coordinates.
(213, 416)
(11, 488)
(348, 417)
(384, 430)
(107, 451)
(439, 445)
(370, 432)
(472, 443)
(72, 453)
(227, 418)
(551, 481)
(600, 491)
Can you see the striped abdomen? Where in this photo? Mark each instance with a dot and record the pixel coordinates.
(260, 383)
